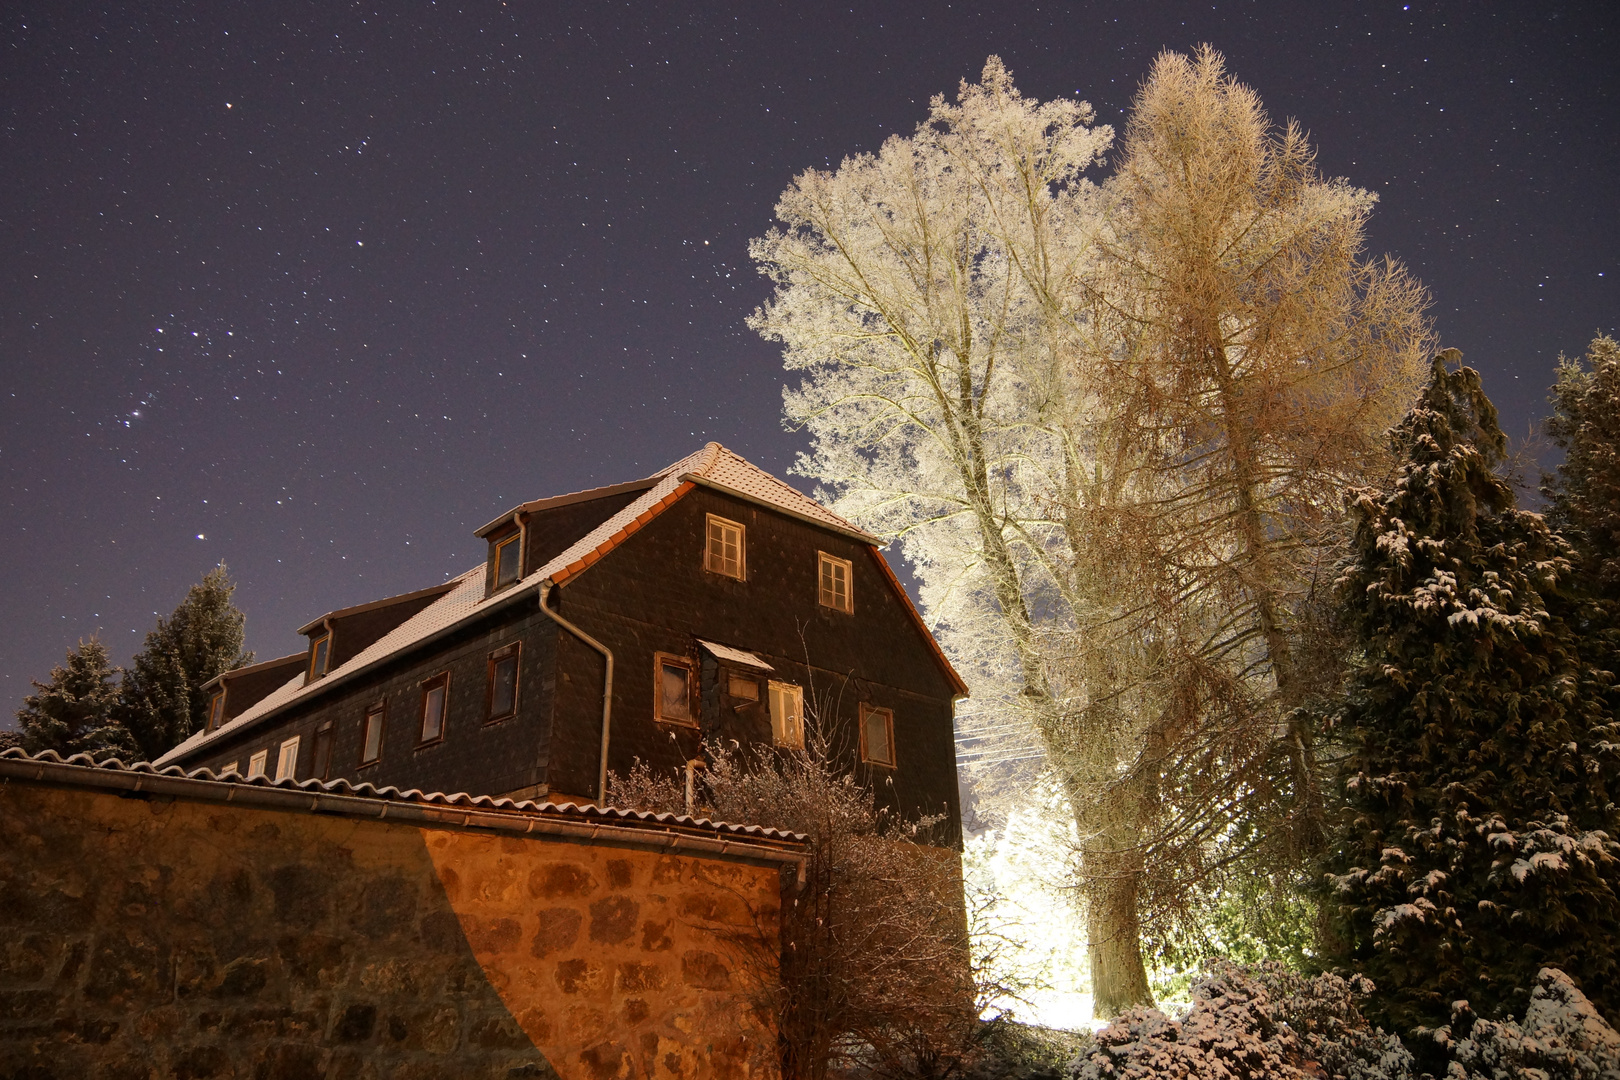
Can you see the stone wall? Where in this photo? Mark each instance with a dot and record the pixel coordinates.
(155, 935)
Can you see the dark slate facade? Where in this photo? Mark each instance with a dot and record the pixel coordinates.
(643, 592)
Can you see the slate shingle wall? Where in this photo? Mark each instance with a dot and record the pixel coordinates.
(485, 759)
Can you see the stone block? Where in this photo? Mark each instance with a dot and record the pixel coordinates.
(704, 970)
(560, 880)
(558, 930)
(356, 1024)
(613, 919)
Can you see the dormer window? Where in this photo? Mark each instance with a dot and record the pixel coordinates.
(216, 710)
(505, 555)
(320, 650)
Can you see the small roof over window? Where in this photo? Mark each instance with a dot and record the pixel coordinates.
(735, 656)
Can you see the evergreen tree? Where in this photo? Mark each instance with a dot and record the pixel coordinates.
(161, 700)
(73, 713)
(1478, 839)
(1585, 494)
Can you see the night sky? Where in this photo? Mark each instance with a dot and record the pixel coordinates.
(319, 289)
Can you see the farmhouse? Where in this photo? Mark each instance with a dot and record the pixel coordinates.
(710, 601)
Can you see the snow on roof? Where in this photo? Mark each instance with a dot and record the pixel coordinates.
(713, 466)
(736, 656)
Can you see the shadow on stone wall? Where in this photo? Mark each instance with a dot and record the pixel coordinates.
(150, 936)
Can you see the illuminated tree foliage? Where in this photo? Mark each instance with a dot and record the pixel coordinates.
(1480, 840)
(1108, 426)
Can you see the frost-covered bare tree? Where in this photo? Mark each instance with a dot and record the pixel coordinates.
(1107, 429)
(1253, 359)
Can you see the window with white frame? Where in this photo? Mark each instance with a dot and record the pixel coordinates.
(877, 735)
(256, 764)
(833, 588)
(724, 552)
(287, 760)
(435, 699)
(235, 767)
(787, 715)
(371, 734)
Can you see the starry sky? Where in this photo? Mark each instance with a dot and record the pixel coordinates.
(317, 288)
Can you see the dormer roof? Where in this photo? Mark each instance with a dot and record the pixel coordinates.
(464, 599)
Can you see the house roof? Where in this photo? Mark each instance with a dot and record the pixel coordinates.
(713, 466)
(299, 658)
(676, 831)
(374, 605)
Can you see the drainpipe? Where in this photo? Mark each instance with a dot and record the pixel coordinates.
(547, 587)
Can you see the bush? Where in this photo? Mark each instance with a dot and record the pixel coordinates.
(873, 972)
(1267, 1023)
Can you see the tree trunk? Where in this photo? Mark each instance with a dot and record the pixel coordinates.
(1113, 932)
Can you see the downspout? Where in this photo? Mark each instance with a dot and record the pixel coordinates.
(546, 589)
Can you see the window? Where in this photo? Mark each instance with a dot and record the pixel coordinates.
(321, 766)
(742, 690)
(723, 553)
(287, 761)
(435, 695)
(506, 555)
(833, 589)
(235, 767)
(503, 682)
(673, 689)
(877, 735)
(319, 649)
(787, 715)
(216, 709)
(256, 764)
(371, 735)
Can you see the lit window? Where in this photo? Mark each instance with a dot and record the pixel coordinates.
(723, 554)
(287, 761)
(742, 689)
(833, 589)
(877, 735)
(322, 765)
(435, 694)
(503, 682)
(256, 764)
(506, 557)
(235, 767)
(216, 710)
(674, 689)
(319, 650)
(372, 734)
(787, 715)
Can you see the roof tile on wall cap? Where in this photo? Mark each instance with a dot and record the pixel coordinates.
(413, 795)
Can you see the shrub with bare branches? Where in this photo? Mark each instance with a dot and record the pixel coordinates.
(874, 971)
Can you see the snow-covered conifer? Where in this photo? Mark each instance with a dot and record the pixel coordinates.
(72, 714)
(1478, 843)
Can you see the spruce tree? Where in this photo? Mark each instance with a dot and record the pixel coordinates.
(1584, 496)
(73, 713)
(1478, 842)
(161, 700)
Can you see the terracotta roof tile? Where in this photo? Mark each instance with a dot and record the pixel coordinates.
(11, 759)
